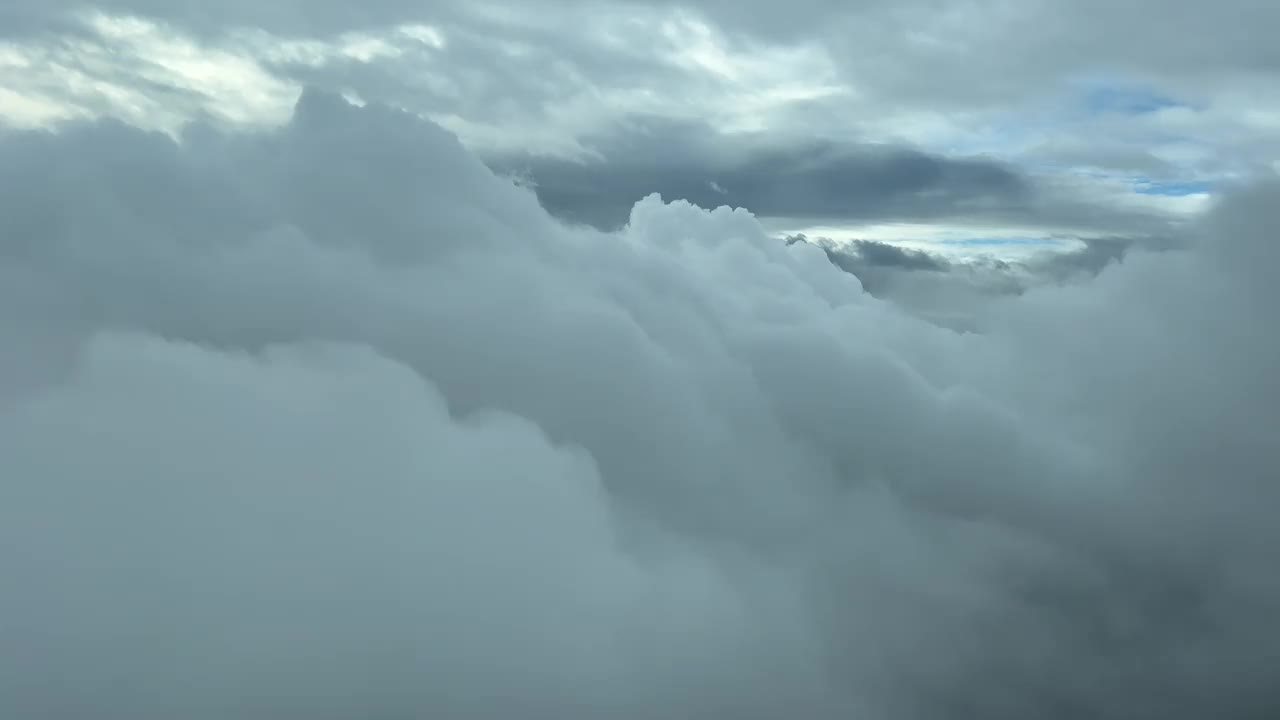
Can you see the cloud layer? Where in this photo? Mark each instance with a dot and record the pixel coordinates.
(792, 178)
(955, 115)
(331, 421)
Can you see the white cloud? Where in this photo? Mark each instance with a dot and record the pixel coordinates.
(312, 527)
(328, 419)
(141, 71)
(133, 65)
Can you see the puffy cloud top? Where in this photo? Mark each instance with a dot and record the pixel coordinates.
(330, 421)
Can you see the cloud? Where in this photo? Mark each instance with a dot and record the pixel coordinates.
(308, 532)
(913, 74)
(288, 16)
(959, 293)
(329, 420)
(808, 180)
(886, 255)
(604, 125)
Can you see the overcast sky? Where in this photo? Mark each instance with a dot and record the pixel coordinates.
(984, 118)
(564, 360)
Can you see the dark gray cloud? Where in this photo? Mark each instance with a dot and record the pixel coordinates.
(958, 293)
(1097, 254)
(812, 179)
(808, 180)
(330, 421)
(885, 255)
(1088, 260)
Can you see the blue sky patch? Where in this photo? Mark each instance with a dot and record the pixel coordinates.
(1126, 100)
(1172, 189)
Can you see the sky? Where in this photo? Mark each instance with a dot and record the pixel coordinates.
(982, 117)
(577, 359)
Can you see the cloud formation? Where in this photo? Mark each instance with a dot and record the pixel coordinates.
(958, 292)
(809, 180)
(331, 421)
(778, 177)
(909, 110)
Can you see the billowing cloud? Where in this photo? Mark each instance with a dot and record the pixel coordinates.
(331, 421)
